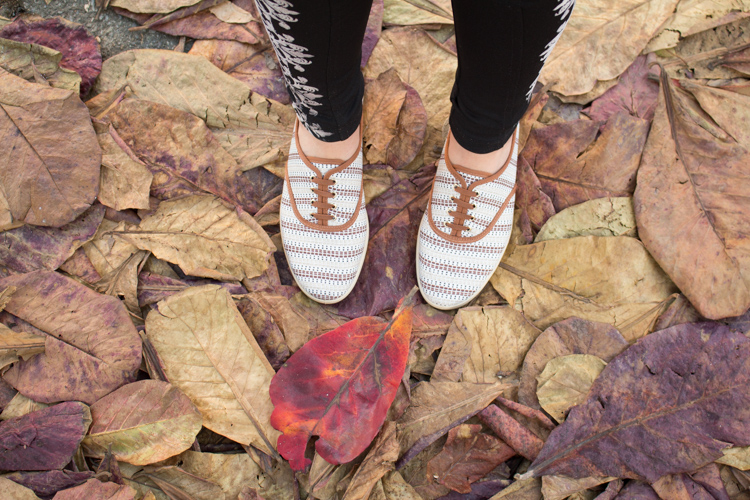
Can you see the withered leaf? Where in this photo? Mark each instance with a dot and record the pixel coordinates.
(601, 41)
(700, 179)
(15, 345)
(694, 376)
(467, 456)
(180, 485)
(204, 237)
(373, 30)
(265, 330)
(516, 435)
(561, 487)
(565, 381)
(124, 182)
(19, 406)
(635, 93)
(34, 62)
(14, 491)
(210, 354)
(85, 330)
(571, 336)
(598, 217)
(608, 279)
(522, 489)
(93, 488)
(533, 206)
(384, 97)
(45, 439)
(51, 157)
(379, 460)
(484, 343)
(47, 483)
(152, 6)
(142, 423)
(408, 12)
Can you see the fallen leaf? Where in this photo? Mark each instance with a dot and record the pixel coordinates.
(94, 488)
(522, 489)
(231, 13)
(193, 331)
(378, 462)
(565, 381)
(178, 80)
(395, 488)
(700, 181)
(153, 287)
(384, 98)
(512, 432)
(601, 40)
(695, 16)
(19, 406)
(80, 51)
(47, 483)
(45, 439)
(437, 407)
(730, 110)
(34, 62)
(15, 345)
(14, 491)
(51, 156)
(292, 324)
(681, 311)
(250, 64)
(321, 319)
(635, 93)
(572, 168)
(468, 455)
(483, 344)
(142, 423)
(427, 68)
(411, 12)
(410, 131)
(704, 483)
(570, 336)
(608, 279)
(265, 330)
(152, 6)
(178, 484)
(561, 487)
(687, 371)
(598, 217)
(124, 182)
(89, 331)
(342, 396)
(533, 206)
(372, 31)
(204, 237)
(636, 490)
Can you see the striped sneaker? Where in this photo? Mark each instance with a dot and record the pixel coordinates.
(324, 225)
(465, 230)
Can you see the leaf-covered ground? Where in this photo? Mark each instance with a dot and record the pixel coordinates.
(154, 346)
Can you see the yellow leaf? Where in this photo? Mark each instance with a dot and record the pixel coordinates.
(565, 381)
(597, 217)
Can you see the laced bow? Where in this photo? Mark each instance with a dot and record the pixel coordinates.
(322, 203)
(460, 216)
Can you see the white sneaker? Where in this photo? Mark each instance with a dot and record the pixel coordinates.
(465, 230)
(324, 225)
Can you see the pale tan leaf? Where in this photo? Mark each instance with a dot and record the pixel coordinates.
(565, 381)
(231, 13)
(152, 6)
(383, 100)
(601, 40)
(597, 217)
(612, 280)
(411, 12)
(6, 218)
(180, 485)
(210, 354)
(736, 456)
(560, 487)
(29, 59)
(106, 252)
(11, 490)
(124, 182)
(522, 489)
(395, 488)
(6, 295)
(484, 343)
(20, 405)
(205, 237)
(15, 345)
(292, 324)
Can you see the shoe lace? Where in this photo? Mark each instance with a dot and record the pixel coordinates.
(323, 195)
(463, 205)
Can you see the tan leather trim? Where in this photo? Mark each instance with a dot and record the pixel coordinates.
(484, 178)
(322, 227)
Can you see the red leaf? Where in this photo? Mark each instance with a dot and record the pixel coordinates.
(339, 386)
(80, 51)
(45, 439)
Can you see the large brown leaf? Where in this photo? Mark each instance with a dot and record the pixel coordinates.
(94, 488)
(142, 423)
(91, 346)
(695, 379)
(597, 217)
(608, 279)
(50, 155)
(379, 460)
(124, 182)
(601, 40)
(34, 62)
(695, 226)
(209, 353)
(152, 6)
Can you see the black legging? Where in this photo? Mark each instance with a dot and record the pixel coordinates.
(502, 46)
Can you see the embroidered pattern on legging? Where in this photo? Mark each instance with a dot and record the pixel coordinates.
(291, 55)
(563, 11)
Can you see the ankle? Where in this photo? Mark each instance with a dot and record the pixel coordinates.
(339, 151)
(488, 162)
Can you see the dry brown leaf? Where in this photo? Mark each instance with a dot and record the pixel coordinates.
(609, 279)
(231, 13)
(411, 12)
(428, 68)
(693, 16)
(204, 237)
(597, 217)
(180, 485)
(483, 344)
(50, 155)
(730, 110)
(736, 456)
(20, 405)
(124, 182)
(14, 491)
(34, 62)
(152, 6)
(565, 381)
(292, 324)
(395, 488)
(522, 489)
(560, 487)
(379, 460)
(15, 345)
(601, 40)
(210, 354)
(384, 97)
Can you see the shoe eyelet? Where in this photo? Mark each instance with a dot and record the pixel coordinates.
(473, 206)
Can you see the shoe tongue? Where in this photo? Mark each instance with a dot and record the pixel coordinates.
(325, 167)
(469, 176)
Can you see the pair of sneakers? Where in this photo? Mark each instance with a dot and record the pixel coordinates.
(462, 237)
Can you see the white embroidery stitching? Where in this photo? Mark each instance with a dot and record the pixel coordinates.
(563, 11)
(290, 54)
